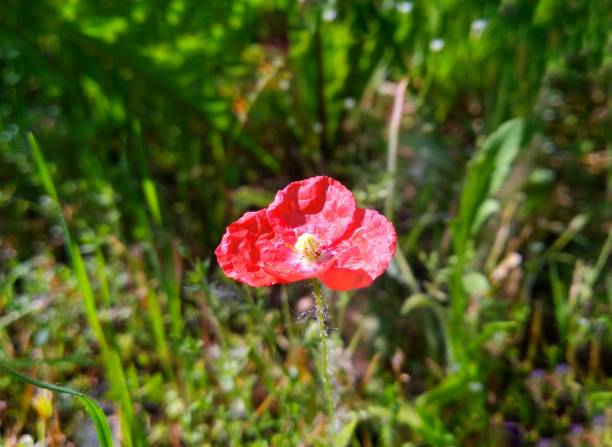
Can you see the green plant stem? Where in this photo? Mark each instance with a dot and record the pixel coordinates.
(328, 391)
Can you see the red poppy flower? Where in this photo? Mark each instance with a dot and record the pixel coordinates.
(312, 229)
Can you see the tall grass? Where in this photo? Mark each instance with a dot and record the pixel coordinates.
(110, 358)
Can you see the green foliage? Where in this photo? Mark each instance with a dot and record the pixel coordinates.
(161, 122)
(486, 172)
(110, 359)
(92, 408)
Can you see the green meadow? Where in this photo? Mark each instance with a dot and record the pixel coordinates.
(133, 133)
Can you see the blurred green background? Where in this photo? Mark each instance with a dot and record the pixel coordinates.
(155, 124)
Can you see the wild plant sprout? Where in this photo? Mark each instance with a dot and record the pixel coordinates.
(312, 230)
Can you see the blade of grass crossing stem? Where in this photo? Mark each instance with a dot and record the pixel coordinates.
(92, 408)
(86, 291)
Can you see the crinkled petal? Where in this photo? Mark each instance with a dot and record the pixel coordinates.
(320, 206)
(280, 259)
(238, 253)
(363, 255)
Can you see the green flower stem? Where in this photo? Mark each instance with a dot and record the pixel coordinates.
(328, 391)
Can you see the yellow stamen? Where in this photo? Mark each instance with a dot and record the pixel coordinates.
(307, 246)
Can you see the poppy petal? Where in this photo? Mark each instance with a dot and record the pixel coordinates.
(319, 205)
(363, 255)
(238, 253)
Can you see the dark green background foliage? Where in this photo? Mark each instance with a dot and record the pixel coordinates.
(155, 124)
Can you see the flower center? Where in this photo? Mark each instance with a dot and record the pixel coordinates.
(307, 246)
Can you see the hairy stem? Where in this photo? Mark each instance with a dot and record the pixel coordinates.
(328, 391)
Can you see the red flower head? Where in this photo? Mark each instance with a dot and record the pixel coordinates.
(312, 229)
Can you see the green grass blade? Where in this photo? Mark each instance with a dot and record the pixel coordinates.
(560, 301)
(73, 250)
(150, 193)
(43, 170)
(486, 173)
(99, 420)
(92, 408)
(88, 297)
(159, 333)
(121, 390)
(111, 360)
(344, 436)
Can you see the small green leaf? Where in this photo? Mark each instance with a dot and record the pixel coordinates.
(487, 209)
(148, 188)
(345, 435)
(475, 283)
